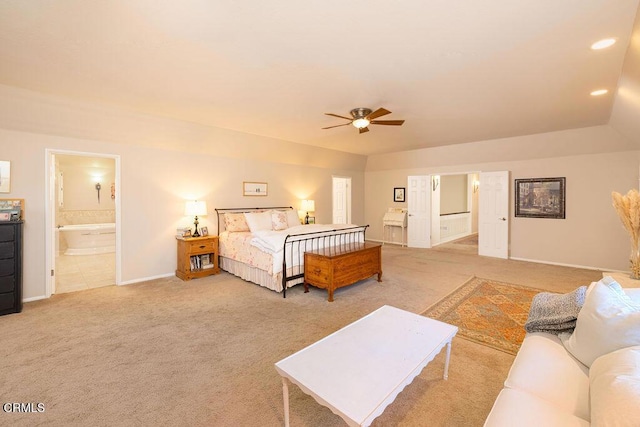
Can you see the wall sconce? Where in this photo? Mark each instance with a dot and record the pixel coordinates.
(308, 206)
(476, 185)
(98, 187)
(195, 208)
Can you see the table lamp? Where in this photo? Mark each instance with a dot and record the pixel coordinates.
(195, 208)
(308, 206)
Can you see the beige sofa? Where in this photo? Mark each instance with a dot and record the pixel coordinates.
(591, 377)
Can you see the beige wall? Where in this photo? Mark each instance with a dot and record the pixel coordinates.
(591, 235)
(453, 194)
(155, 181)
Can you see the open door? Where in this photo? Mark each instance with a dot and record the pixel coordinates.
(419, 207)
(493, 216)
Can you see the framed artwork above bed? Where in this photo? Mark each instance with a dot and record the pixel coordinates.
(254, 188)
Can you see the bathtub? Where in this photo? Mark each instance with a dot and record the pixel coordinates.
(89, 239)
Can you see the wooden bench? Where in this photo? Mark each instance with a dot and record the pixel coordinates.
(338, 266)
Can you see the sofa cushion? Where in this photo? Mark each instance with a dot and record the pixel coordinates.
(615, 388)
(607, 322)
(522, 409)
(543, 367)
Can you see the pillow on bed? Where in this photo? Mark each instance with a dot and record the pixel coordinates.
(235, 222)
(292, 218)
(279, 220)
(258, 220)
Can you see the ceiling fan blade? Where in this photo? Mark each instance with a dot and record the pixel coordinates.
(341, 117)
(378, 113)
(363, 130)
(387, 122)
(336, 126)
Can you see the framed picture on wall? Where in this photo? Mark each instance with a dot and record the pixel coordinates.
(398, 194)
(254, 188)
(540, 198)
(5, 176)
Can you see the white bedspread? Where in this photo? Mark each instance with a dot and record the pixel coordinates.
(271, 241)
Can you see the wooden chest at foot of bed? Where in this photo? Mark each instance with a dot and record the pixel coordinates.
(334, 267)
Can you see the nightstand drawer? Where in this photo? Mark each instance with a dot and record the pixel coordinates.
(202, 247)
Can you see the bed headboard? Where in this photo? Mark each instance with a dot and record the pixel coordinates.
(221, 212)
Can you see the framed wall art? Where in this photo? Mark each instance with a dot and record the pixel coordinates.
(254, 188)
(398, 194)
(5, 176)
(540, 198)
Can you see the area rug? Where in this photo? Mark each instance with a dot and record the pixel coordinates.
(487, 312)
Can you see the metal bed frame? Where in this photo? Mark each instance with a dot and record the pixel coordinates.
(300, 243)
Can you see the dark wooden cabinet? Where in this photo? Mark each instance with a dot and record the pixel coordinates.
(10, 267)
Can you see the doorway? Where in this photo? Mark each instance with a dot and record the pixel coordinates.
(491, 190)
(341, 200)
(455, 211)
(83, 221)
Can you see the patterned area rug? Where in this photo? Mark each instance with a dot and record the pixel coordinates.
(487, 312)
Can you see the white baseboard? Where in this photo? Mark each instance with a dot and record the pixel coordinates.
(146, 279)
(586, 267)
(34, 298)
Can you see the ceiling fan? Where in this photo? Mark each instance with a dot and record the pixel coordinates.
(363, 117)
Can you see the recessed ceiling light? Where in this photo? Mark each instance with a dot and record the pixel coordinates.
(603, 44)
(599, 92)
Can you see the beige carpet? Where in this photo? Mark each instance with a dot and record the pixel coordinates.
(198, 353)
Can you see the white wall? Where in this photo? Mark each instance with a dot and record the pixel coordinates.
(591, 235)
(207, 164)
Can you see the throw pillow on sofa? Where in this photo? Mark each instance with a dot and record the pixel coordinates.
(615, 388)
(608, 321)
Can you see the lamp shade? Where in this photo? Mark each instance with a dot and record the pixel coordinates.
(195, 208)
(308, 205)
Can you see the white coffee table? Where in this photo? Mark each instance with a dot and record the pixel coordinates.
(360, 369)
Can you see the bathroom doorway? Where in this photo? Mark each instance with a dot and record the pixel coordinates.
(82, 221)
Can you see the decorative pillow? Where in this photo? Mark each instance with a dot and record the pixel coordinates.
(292, 218)
(235, 222)
(258, 220)
(608, 321)
(279, 221)
(615, 388)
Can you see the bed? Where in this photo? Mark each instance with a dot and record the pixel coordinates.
(266, 245)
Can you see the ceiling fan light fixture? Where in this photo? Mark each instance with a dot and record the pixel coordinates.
(360, 123)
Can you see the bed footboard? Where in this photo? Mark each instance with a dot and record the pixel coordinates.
(295, 245)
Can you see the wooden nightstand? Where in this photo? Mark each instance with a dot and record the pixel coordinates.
(197, 257)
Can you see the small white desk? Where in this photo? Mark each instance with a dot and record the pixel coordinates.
(360, 369)
(394, 219)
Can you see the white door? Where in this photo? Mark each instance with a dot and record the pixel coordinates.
(493, 216)
(419, 207)
(341, 200)
(435, 210)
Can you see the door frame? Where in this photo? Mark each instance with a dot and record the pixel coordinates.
(49, 207)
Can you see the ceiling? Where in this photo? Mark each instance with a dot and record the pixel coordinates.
(457, 72)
